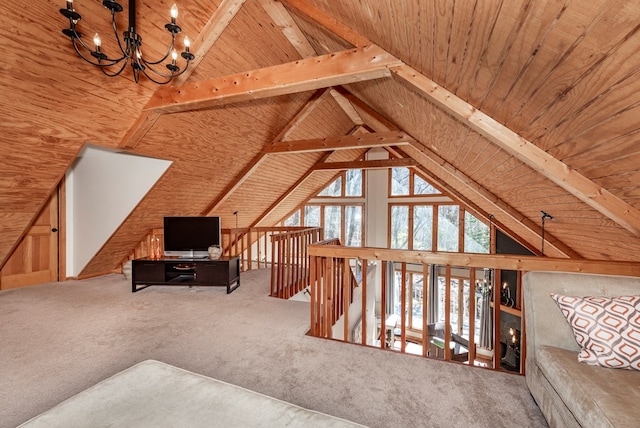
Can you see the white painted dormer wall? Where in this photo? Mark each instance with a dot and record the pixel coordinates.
(103, 187)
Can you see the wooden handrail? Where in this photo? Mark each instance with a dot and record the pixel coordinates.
(327, 296)
(332, 286)
(290, 260)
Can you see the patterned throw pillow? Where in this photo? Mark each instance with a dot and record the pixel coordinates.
(606, 328)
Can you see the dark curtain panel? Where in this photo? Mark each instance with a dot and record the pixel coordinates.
(432, 297)
(390, 288)
(486, 314)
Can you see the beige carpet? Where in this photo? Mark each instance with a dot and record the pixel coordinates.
(59, 339)
(152, 394)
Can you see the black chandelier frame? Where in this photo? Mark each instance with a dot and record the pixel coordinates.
(129, 46)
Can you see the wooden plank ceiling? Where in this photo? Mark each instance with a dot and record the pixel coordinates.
(511, 107)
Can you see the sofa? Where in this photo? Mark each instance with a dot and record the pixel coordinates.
(572, 393)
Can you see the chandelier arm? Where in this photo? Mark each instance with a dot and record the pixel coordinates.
(129, 45)
(159, 73)
(106, 73)
(76, 36)
(173, 38)
(150, 77)
(115, 33)
(91, 61)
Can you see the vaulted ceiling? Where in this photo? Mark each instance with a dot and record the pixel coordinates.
(512, 107)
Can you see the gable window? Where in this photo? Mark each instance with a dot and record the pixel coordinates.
(477, 236)
(333, 190)
(423, 227)
(312, 216)
(332, 221)
(343, 216)
(348, 184)
(448, 228)
(399, 182)
(399, 236)
(293, 220)
(406, 182)
(421, 187)
(353, 225)
(354, 187)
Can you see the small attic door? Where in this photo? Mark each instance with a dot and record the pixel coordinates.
(35, 259)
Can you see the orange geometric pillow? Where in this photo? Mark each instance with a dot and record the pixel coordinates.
(606, 328)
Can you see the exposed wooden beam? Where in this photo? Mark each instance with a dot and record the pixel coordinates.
(432, 161)
(238, 181)
(510, 262)
(203, 43)
(289, 191)
(299, 118)
(555, 170)
(281, 17)
(257, 160)
(353, 65)
(347, 107)
(472, 207)
(344, 142)
(139, 129)
(369, 164)
(210, 34)
(444, 174)
(330, 23)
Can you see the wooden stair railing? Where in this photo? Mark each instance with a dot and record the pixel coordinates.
(332, 284)
(290, 260)
(331, 295)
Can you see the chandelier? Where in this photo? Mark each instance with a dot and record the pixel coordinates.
(130, 46)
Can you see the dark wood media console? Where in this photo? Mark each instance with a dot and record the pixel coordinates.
(224, 271)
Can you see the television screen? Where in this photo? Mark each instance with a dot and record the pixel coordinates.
(190, 236)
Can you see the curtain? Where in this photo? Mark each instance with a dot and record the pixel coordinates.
(486, 316)
(432, 296)
(390, 288)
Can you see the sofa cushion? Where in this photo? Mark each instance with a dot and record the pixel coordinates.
(606, 328)
(596, 396)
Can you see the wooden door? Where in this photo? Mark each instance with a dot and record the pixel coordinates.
(35, 260)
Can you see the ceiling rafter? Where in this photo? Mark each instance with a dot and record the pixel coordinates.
(555, 170)
(358, 130)
(339, 68)
(290, 190)
(281, 17)
(205, 40)
(435, 163)
(367, 164)
(343, 142)
(257, 160)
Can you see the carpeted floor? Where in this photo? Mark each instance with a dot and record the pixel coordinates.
(59, 339)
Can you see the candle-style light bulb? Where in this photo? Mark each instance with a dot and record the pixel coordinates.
(70, 4)
(513, 339)
(187, 43)
(97, 41)
(174, 13)
(511, 332)
(174, 56)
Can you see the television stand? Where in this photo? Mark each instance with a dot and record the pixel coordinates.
(224, 272)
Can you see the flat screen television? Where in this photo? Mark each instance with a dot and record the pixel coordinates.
(191, 237)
